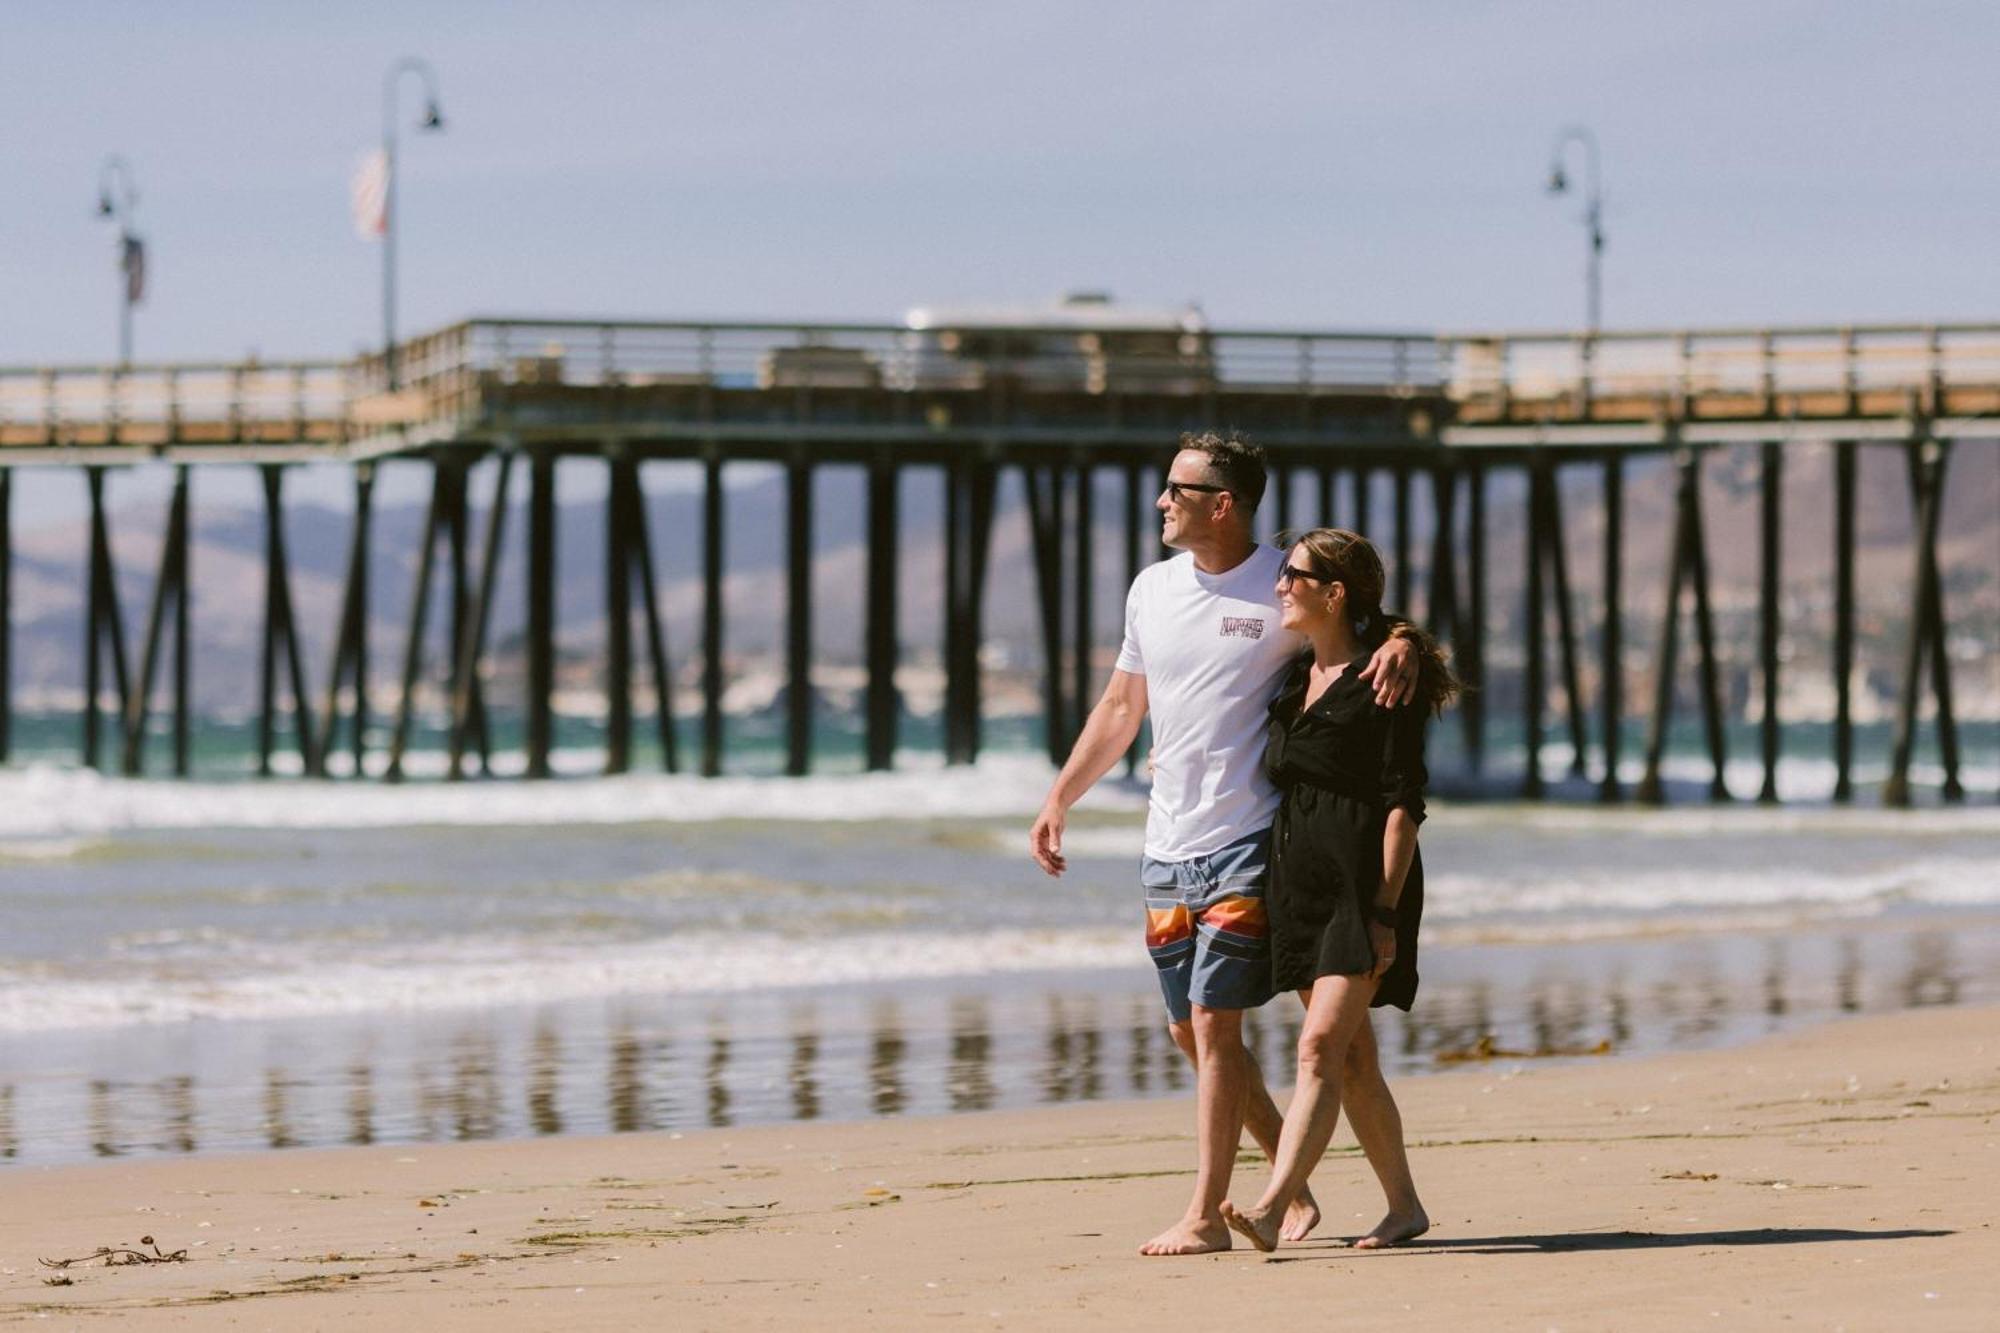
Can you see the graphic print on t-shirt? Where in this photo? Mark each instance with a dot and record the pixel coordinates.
(1242, 627)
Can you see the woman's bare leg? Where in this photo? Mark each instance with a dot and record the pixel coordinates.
(1337, 1008)
(1378, 1125)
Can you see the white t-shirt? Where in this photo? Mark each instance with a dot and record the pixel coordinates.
(1213, 656)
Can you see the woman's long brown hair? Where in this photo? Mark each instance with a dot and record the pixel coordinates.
(1351, 560)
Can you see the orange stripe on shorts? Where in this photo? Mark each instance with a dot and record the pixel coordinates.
(1167, 925)
(1238, 916)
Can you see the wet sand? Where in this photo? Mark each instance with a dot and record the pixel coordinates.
(1840, 1177)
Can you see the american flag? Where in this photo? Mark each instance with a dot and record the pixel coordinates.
(371, 196)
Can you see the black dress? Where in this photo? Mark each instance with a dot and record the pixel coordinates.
(1341, 767)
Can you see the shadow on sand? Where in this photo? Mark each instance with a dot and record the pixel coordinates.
(1574, 1242)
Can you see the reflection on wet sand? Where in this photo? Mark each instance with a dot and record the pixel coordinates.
(625, 1089)
(1071, 1046)
(1934, 976)
(835, 1056)
(717, 1081)
(278, 1132)
(1140, 1035)
(475, 1088)
(886, 1049)
(360, 1104)
(177, 1113)
(103, 1134)
(544, 1081)
(1775, 1003)
(969, 1076)
(800, 1076)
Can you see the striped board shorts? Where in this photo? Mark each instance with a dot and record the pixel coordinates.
(1205, 927)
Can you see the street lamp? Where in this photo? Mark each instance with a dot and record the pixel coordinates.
(1593, 213)
(433, 119)
(117, 198)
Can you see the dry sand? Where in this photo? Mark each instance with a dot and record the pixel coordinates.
(1844, 1177)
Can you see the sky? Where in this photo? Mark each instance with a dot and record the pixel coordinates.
(1292, 165)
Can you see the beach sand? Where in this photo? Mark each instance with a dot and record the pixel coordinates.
(1846, 1176)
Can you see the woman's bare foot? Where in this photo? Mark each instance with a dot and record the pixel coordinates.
(1393, 1229)
(1300, 1218)
(1260, 1228)
(1189, 1236)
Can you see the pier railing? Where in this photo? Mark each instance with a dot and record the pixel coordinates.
(1831, 371)
(450, 379)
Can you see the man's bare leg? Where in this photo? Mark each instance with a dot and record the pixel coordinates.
(1220, 1084)
(1337, 1007)
(1378, 1125)
(1261, 1118)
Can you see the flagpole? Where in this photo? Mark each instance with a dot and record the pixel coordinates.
(433, 120)
(118, 204)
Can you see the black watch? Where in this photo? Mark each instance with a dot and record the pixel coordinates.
(1386, 916)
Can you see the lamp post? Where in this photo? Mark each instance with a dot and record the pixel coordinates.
(117, 198)
(433, 119)
(1593, 213)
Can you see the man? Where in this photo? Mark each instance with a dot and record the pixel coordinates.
(1204, 652)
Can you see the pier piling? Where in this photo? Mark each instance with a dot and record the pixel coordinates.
(1472, 646)
(1085, 569)
(469, 651)
(1611, 639)
(884, 704)
(711, 613)
(1771, 482)
(541, 591)
(798, 617)
(350, 646)
(281, 637)
(104, 625)
(1844, 458)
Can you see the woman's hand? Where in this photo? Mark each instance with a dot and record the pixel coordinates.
(1383, 940)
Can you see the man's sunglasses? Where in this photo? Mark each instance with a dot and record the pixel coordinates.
(1177, 490)
(1290, 574)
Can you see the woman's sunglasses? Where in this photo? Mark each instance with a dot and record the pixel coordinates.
(1290, 574)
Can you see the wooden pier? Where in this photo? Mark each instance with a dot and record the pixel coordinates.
(1058, 405)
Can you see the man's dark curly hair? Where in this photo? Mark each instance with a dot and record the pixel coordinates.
(1238, 465)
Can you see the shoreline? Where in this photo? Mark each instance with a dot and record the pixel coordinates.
(913, 1046)
(1828, 1174)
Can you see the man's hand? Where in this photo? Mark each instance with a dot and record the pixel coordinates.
(1383, 938)
(1045, 839)
(1107, 734)
(1393, 672)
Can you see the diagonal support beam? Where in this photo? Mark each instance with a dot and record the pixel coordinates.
(469, 653)
(168, 591)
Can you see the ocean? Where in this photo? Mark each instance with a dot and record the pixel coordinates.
(229, 965)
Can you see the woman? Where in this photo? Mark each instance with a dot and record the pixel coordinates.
(1347, 885)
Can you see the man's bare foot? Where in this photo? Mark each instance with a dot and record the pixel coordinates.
(1261, 1228)
(1394, 1230)
(1300, 1218)
(1196, 1236)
